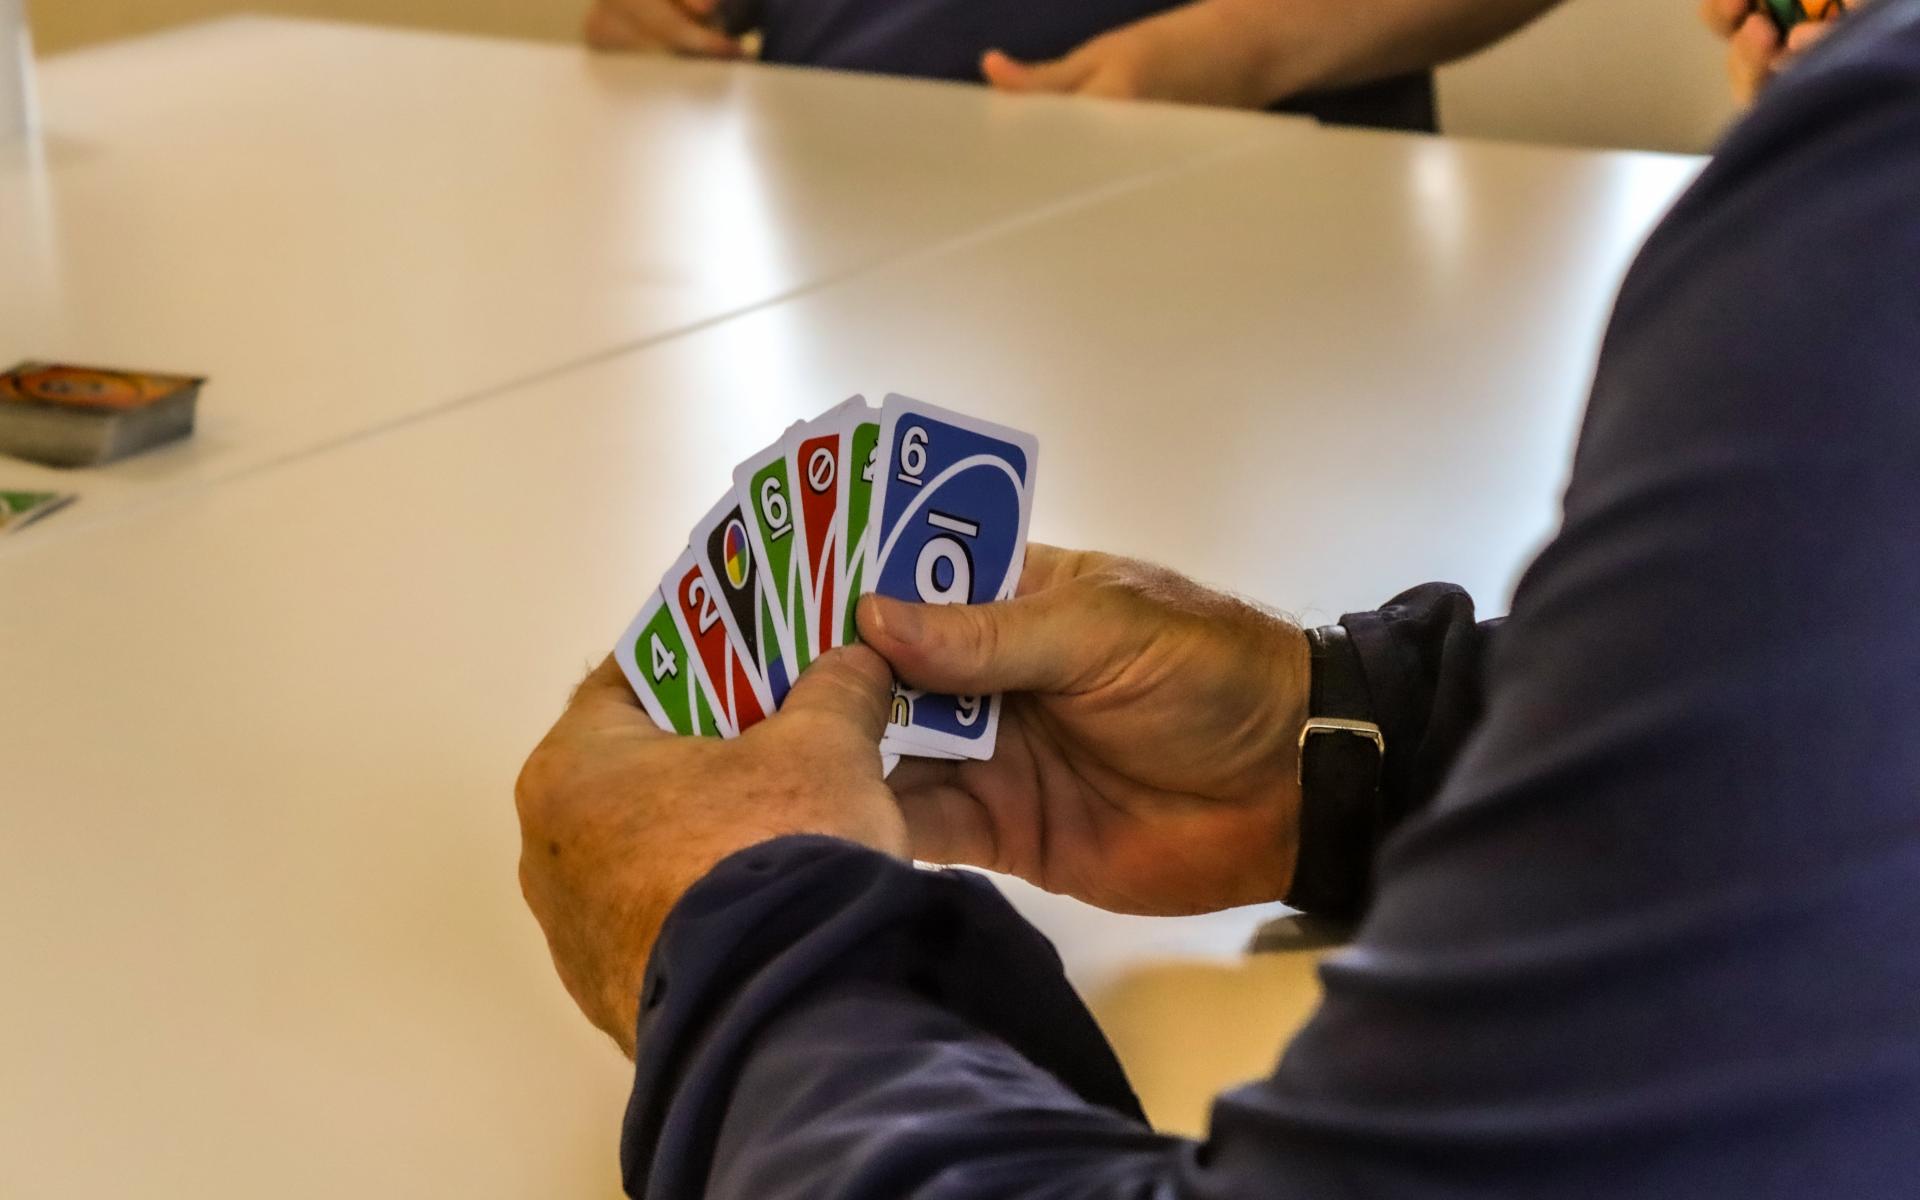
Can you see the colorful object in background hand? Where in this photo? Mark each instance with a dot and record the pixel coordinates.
(20, 509)
(1788, 13)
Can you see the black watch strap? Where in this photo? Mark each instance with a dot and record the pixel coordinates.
(1341, 755)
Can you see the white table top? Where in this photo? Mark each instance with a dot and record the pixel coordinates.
(256, 841)
(347, 227)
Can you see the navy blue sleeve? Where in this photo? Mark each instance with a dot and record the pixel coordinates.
(1654, 935)
(903, 1031)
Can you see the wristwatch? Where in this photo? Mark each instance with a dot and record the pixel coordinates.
(1342, 753)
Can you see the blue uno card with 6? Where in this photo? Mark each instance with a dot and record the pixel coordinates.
(953, 499)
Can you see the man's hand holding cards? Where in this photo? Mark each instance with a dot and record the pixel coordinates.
(911, 501)
(1100, 727)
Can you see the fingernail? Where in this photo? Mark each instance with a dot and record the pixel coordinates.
(898, 620)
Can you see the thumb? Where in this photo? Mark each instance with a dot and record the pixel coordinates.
(1009, 74)
(850, 686)
(1025, 645)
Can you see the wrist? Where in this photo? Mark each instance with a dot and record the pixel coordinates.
(657, 892)
(628, 935)
(1293, 666)
(1342, 757)
(1270, 664)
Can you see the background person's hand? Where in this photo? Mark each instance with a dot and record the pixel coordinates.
(618, 819)
(1205, 52)
(1755, 49)
(659, 26)
(1148, 744)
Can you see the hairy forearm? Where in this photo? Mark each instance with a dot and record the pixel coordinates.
(1311, 45)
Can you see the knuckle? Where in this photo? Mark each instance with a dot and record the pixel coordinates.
(834, 694)
(534, 787)
(528, 804)
(529, 889)
(823, 729)
(868, 668)
(602, 29)
(1127, 590)
(981, 635)
(812, 743)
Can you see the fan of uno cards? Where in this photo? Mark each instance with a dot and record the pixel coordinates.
(911, 501)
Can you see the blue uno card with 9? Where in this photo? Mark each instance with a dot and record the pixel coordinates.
(954, 498)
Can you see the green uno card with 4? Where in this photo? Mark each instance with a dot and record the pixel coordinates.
(653, 657)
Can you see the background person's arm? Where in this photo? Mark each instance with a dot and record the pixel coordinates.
(688, 27)
(1254, 53)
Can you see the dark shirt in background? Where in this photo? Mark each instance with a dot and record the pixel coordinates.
(1652, 932)
(944, 39)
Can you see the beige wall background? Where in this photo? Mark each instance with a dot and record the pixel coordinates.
(1632, 73)
(63, 24)
(1636, 73)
